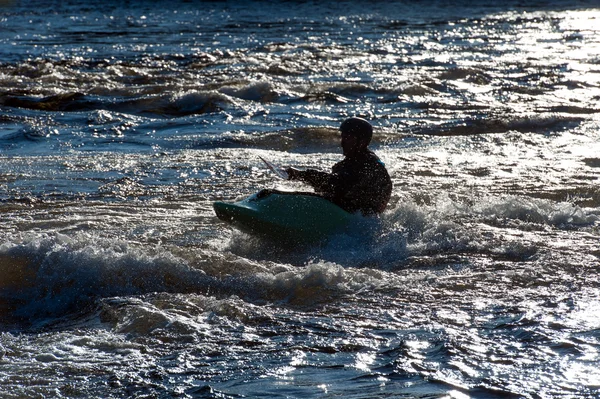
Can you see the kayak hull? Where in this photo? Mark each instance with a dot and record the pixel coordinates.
(281, 216)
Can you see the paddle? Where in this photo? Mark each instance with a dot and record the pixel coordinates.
(279, 172)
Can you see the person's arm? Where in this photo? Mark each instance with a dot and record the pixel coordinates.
(320, 181)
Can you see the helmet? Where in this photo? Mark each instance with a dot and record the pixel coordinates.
(357, 127)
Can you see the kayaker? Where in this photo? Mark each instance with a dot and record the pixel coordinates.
(360, 182)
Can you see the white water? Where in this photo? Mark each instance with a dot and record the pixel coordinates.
(120, 124)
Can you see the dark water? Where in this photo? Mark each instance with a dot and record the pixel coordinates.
(121, 123)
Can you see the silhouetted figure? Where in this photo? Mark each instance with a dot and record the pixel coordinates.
(360, 182)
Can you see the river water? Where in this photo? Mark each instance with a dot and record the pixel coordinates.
(121, 122)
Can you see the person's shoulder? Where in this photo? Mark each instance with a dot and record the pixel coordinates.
(370, 154)
(367, 159)
(372, 158)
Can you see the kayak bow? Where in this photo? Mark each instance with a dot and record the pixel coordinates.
(285, 216)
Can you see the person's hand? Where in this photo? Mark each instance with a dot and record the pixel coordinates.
(293, 173)
(265, 192)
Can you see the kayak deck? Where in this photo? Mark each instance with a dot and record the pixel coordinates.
(296, 217)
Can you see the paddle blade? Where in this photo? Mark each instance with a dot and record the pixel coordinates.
(279, 172)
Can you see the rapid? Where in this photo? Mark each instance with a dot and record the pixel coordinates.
(122, 122)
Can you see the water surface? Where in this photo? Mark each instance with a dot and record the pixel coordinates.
(121, 123)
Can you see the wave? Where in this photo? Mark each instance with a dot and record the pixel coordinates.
(69, 102)
(472, 75)
(411, 230)
(211, 99)
(523, 124)
(57, 275)
(540, 211)
(47, 277)
(170, 105)
(183, 314)
(260, 91)
(449, 226)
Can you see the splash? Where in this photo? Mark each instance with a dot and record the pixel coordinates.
(55, 275)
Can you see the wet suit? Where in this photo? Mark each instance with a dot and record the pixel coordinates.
(357, 183)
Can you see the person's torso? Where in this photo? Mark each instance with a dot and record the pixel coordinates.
(363, 184)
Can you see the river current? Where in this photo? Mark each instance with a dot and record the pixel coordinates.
(122, 121)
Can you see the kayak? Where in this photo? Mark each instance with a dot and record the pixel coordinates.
(285, 216)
